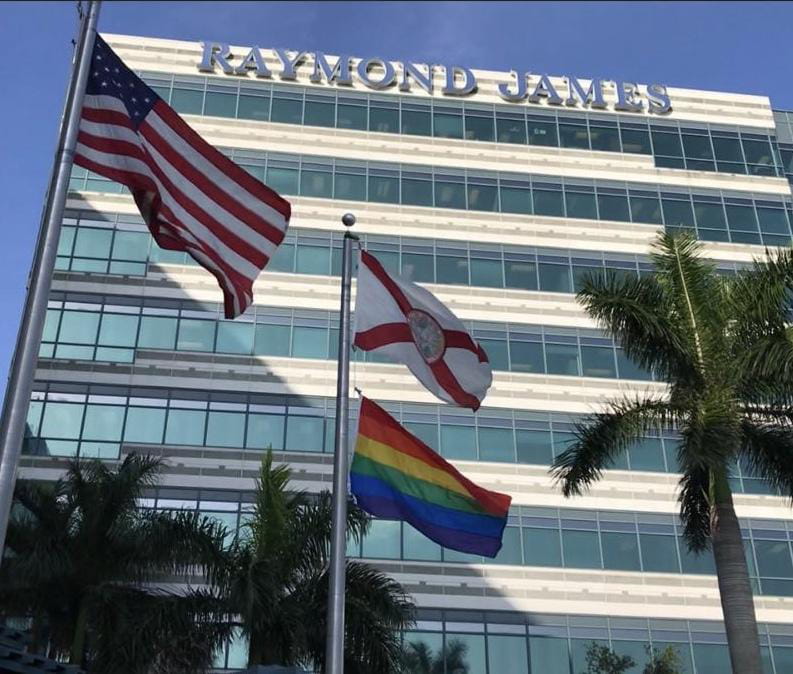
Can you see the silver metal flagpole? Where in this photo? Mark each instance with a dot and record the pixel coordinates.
(20, 377)
(334, 646)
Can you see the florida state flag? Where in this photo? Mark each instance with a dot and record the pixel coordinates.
(409, 325)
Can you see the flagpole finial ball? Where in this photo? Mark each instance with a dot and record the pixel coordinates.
(348, 219)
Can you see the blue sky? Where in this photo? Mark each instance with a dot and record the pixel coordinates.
(734, 46)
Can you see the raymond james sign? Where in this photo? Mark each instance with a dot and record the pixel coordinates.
(378, 74)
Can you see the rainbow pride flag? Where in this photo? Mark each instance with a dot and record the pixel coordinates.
(396, 476)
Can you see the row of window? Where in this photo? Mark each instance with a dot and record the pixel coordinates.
(83, 246)
(714, 217)
(700, 149)
(586, 539)
(82, 330)
(64, 423)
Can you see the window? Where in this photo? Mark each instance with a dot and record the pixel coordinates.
(659, 553)
(118, 330)
(350, 186)
(697, 147)
(479, 126)
(416, 120)
(604, 138)
(574, 136)
(452, 269)
(265, 431)
(187, 101)
(520, 273)
(418, 267)
(417, 546)
(554, 277)
(497, 353)
(351, 114)
(510, 128)
(496, 444)
(93, 242)
(534, 446)
(581, 205)
(678, 214)
(235, 337)
(312, 259)
(581, 549)
(515, 199)
(482, 197)
(304, 434)
(646, 209)
(384, 189)
(427, 433)
(185, 427)
(636, 141)
(131, 246)
(383, 540)
(448, 123)
(384, 116)
(220, 103)
(526, 356)
(144, 424)
(272, 340)
(157, 332)
(319, 111)
(62, 420)
(195, 335)
(287, 107)
(620, 551)
(548, 202)
(458, 442)
(417, 192)
(254, 107)
(647, 454)
(598, 361)
(542, 547)
(308, 342)
(282, 179)
(474, 658)
(316, 181)
(562, 359)
(226, 429)
(613, 207)
(543, 132)
(773, 558)
(549, 655)
(667, 143)
(103, 422)
(449, 192)
(487, 273)
(78, 327)
(507, 654)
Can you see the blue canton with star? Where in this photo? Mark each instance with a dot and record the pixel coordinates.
(110, 77)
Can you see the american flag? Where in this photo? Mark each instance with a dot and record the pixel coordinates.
(192, 197)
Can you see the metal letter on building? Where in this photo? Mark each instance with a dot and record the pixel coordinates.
(387, 78)
(659, 101)
(253, 61)
(289, 64)
(339, 73)
(625, 97)
(413, 70)
(215, 52)
(468, 85)
(520, 88)
(592, 97)
(545, 89)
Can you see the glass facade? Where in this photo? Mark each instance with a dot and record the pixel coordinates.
(713, 215)
(696, 147)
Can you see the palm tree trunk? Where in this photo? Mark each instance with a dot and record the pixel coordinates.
(77, 649)
(734, 586)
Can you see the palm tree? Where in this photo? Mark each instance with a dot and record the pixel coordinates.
(279, 584)
(719, 343)
(81, 560)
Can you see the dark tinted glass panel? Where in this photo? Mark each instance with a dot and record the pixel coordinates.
(727, 149)
(316, 183)
(573, 135)
(220, 105)
(534, 447)
(497, 444)
(417, 123)
(598, 361)
(554, 277)
(773, 558)
(254, 107)
(581, 205)
(486, 273)
(581, 549)
(458, 442)
(449, 195)
(613, 207)
(482, 197)
(646, 209)
(697, 147)
(416, 267)
(452, 269)
(416, 192)
(526, 356)
(562, 359)
(187, 101)
(320, 114)
(479, 127)
(497, 353)
(709, 216)
(234, 337)
(521, 274)
(542, 547)
(287, 110)
(542, 133)
(772, 220)
(678, 213)
(349, 186)
(351, 117)
(282, 179)
(620, 551)
(659, 553)
(510, 130)
(667, 143)
(758, 152)
(547, 202)
(636, 141)
(647, 454)
(384, 189)
(448, 125)
(384, 120)
(605, 138)
(515, 200)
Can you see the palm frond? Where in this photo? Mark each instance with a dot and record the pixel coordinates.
(695, 508)
(767, 449)
(602, 437)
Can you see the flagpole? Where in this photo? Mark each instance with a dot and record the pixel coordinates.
(334, 646)
(23, 365)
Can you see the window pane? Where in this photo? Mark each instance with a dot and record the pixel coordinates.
(712, 658)
(515, 200)
(452, 269)
(265, 431)
(309, 342)
(773, 558)
(448, 125)
(103, 422)
(382, 540)
(758, 152)
(304, 434)
(235, 337)
(727, 149)
(554, 277)
(695, 563)
(458, 442)
(196, 335)
(678, 213)
(272, 340)
(773, 220)
(78, 327)
(417, 267)
(254, 107)
(659, 553)
(287, 110)
(62, 420)
(93, 242)
(526, 356)
(520, 274)
(384, 120)
(497, 353)
(316, 183)
(646, 209)
(187, 101)
(547, 202)
(496, 444)
(709, 216)
(144, 424)
(581, 549)
(282, 179)
(541, 547)
(351, 117)
(697, 147)
(534, 447)
(573, 135)
(510, 130)
(549, 655)
(620, 551)
(667, 143)
(312, 259)
(220, 105)
(157, 332)
(384, 189)
(473, 652)
(647, 454)
(606, 139)
(482, 197)
(479, 128)
(598, 361)
(416, 192)
(562, 359)
(507, 654)
(320, 114)
(118, 330)
(449, 195)
(131, 246)
(635, 141)
(543, 133)
(581, 205)
(417, 123)
(417, 546)
(348, 186)
(185, 427)
(486, 273)
(613, 207)
(226, 429)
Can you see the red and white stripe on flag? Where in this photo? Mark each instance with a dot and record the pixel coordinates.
(409, 325)
(192, 197)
